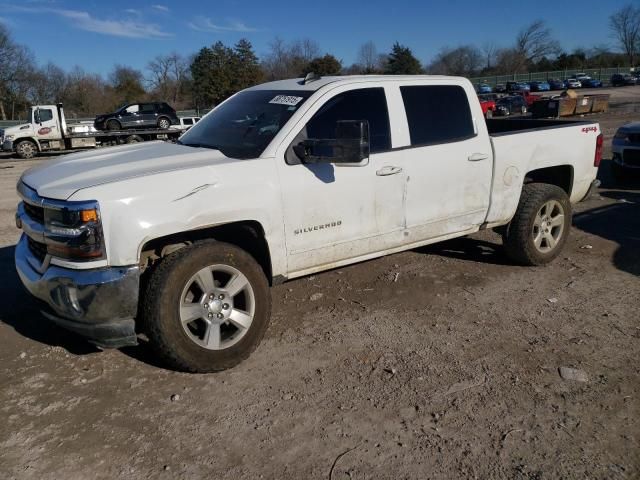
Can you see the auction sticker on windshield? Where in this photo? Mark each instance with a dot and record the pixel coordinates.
(286, 100)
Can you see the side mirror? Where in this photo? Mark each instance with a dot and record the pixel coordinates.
(36, 116)
(349, 145)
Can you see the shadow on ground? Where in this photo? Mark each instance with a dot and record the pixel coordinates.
(618, 222)
(19, 311)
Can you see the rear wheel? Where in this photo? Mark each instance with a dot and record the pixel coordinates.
(540, 227)
(26, 149)
(114, 125)
(134, 139)
(206, 307)
(164, 123)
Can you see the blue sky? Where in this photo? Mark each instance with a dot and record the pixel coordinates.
(98, 34)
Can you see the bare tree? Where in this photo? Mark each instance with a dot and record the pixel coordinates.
(16, 69)
(367, 57)
(305, 48)
(167, 76)
(465, 60)
(536, 42)
(625, 27)
(489, 50)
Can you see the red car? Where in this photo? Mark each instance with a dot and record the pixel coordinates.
(488, 107)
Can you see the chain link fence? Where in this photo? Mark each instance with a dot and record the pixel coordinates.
(602, 74)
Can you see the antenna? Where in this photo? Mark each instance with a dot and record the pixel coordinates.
(310, 77)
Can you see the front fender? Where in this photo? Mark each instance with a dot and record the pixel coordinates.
(138, 210)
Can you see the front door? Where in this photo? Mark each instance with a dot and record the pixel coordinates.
(333, 212)
(46, 124)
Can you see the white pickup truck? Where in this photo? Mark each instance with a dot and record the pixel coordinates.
(181, 241)
(47, 131)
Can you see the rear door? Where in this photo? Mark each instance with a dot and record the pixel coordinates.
(448, 161)
(148, 114)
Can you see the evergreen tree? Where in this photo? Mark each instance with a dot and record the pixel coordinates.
(402, 62)
(247, 71)
(326, 65)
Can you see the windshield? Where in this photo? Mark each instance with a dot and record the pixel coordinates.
(243, 126)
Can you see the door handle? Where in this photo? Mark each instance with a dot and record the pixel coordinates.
(388, 170)
(476, 157)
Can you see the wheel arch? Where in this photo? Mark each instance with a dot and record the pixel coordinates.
(248, 235)
(30, 139)
(558, 175)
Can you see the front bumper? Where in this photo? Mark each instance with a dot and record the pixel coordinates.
(99, 304)
(7, 146)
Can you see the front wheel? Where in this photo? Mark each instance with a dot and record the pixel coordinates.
(26, 149)
(114, 125)
(206, 307)
(540, 227)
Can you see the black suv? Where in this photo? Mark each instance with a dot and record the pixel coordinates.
(138, 115)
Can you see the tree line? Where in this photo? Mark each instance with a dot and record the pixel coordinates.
(215, 72)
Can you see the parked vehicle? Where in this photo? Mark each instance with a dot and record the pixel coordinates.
(512, 105)
(556, 84)
(500, 88)
(483, 88)
(622, 80)
(185, 123)
(591, 83)
(488, 107)
(138, 115)
(572, 83)
(626, 151)
(517, 86)
(181, 241)
(47, 131)
(539, 86)
(528, 97)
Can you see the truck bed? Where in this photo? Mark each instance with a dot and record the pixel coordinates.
(524, 145)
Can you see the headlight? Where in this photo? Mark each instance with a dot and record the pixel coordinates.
(73, 231)
(9, 137)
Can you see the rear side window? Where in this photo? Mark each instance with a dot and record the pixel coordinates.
(437, 114)
(364, 104)
(147, 108)
(165, 108)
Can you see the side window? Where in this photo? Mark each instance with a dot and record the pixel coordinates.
(437, 114)
(187, 121)
(46, 115)
(165, 108)
(132, 108)
(365, 104)
(147, 108)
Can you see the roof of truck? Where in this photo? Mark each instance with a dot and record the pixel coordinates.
(299, 84)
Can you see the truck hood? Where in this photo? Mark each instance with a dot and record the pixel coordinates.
(18, 130)
(59, 179)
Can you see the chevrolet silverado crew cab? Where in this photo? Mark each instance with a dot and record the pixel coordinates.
(181, 242)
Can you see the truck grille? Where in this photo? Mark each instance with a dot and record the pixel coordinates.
(631, 158)
(38, 249)
(36, 213)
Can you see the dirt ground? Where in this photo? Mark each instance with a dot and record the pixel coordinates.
(442, 362)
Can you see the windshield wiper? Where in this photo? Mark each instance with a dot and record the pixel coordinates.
(198, 145)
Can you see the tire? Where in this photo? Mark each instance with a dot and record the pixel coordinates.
(173, 295)
(134, 139)
(529, 225)
(26, 149)
(114, 125)
(164, 123)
